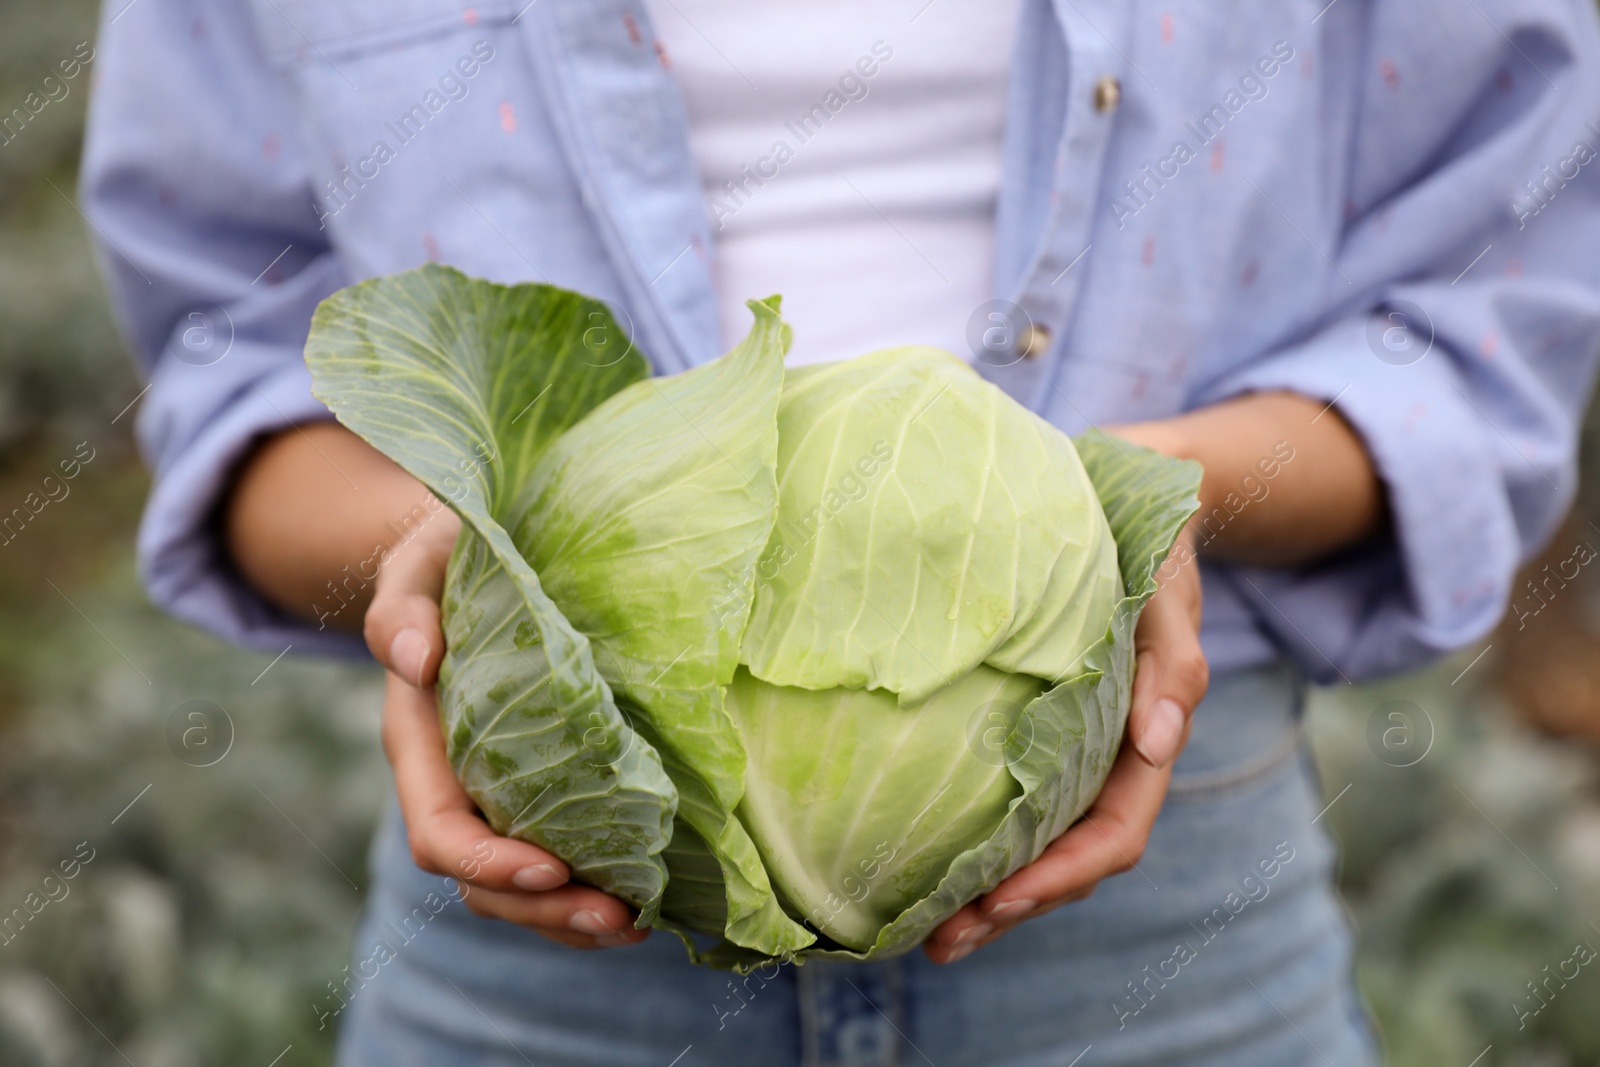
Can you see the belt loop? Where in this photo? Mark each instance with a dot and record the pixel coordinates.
(851, 1014)
(805, 987)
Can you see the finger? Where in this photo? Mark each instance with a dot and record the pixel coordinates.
(402, 625)
(447, 834)
(968, 930)
(404, 634)
(1171, 678)
(571, 912)
(582, 942)
(952, 939)
(1108, 840)
(1177, 600)
(1181, 571)
(586, 942)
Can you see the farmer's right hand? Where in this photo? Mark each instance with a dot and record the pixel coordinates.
(503, 878)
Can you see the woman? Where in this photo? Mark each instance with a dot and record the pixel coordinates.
(1340, 253)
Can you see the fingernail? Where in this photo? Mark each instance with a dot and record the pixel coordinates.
(538, 878)
(1162, 732)
(589, 922)
(611, 940)
(1010, 907)
(408, 654)
(973, 933)
(960, 953)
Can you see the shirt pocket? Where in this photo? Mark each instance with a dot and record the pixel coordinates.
(363, 73)
(304, 33)
(419, 120)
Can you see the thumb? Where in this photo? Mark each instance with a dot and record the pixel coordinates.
(402, 625)
(1170, 680)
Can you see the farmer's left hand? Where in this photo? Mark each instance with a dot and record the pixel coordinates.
(1168, 684)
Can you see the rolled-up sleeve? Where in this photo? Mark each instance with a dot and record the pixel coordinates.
(1464, 350)
(198, 194)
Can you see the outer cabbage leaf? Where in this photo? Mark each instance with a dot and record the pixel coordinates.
(644, 523)
(465, 384)
(910, 447)
(568, 778)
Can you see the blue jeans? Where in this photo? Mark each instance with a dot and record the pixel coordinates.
(1226, 947)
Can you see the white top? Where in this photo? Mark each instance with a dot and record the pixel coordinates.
(850, 155)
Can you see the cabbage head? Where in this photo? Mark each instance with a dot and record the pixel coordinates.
(796, 662)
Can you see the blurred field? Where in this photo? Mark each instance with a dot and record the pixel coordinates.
(219, 899)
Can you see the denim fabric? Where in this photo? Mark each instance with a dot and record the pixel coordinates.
(1279, 180)
(1264, 980)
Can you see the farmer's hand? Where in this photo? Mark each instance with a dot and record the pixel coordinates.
(1170, 680)
(1287, 482)
(505, 879)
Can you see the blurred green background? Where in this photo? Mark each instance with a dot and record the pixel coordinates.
(219, 899)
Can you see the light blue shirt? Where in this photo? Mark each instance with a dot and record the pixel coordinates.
(1390, 206)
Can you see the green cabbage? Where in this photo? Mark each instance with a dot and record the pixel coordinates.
(796, 661)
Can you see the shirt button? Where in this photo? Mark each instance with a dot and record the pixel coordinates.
(1033, 341)
(1107, 94)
